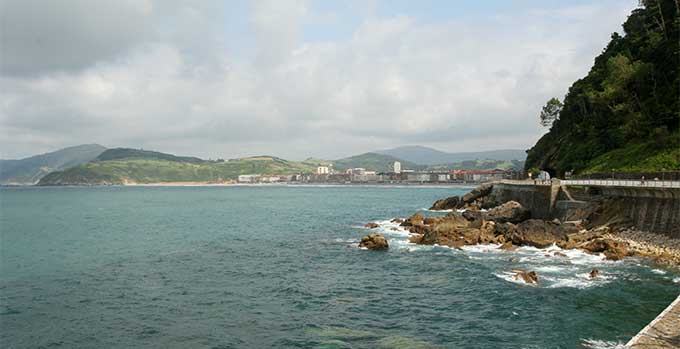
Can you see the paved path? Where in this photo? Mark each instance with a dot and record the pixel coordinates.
(600, 183)
(662, 332)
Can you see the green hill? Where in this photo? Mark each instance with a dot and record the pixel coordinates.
(486, 164)
(153, 167)
(30, 170)
(373, 162)
(625, 114)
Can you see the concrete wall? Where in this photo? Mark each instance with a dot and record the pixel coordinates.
(655, 210)
(535, 198)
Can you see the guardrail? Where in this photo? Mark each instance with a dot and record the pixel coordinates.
(598, 182)
(623, 183)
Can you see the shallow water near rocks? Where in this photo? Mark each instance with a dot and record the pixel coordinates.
(258, 267)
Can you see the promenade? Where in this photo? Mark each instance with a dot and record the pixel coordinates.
(597, 182)
(662, 332)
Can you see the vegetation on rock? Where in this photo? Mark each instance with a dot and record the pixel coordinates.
(625, 114)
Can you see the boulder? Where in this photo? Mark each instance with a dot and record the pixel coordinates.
(374, 241)
(529, 277)
(507, 246)
(477, 193)
(449, 203)
(613, 250)
(509, 212)
(397, 220)
(594, 273)
(539, 233)
(413, 220)
(432, 220)
(371, 225)
(513, 259)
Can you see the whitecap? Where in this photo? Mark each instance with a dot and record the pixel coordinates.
(658, 271)
(676, 280)
(600, 344)
(493, 248)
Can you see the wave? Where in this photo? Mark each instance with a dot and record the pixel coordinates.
(599, 344)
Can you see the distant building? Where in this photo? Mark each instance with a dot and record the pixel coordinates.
(322, 170)
(480, 175)
(397, 167)
(248, 178)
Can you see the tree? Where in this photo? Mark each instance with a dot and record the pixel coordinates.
(551, 112)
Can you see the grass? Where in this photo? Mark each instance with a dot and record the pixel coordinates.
(157, 170)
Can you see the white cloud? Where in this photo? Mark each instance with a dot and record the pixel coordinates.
(459, 85)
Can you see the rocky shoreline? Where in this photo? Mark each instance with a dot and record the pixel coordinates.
(478, 219)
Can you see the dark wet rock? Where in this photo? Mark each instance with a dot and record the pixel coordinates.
(559, 254)
(374, 241)
(416, 219)
(594, 273)
(529, 277)
(449, 203)
(539, 233)
(432, 220)
(371, 225)
(397, 221)
(612, 249)
(513, 259)
(479, 192)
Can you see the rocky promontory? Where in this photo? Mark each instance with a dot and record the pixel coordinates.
(479, 218)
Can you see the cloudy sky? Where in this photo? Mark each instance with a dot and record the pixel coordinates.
(289, 78)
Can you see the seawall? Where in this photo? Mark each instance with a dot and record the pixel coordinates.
(656, 210)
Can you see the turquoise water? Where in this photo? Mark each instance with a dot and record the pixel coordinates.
(261, 267)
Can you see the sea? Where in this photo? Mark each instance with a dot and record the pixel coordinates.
(279, 267)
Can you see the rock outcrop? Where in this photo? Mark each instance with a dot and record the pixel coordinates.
(450, 203)
(371, 225)
(539, 233)
(374, 241)
(613, 250)
(529, 277)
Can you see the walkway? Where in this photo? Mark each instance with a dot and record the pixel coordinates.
(599, 182)
(662, 332)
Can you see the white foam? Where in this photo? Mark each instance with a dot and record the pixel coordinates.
(658, 271)
(428, 210)
(599, 344)
(550, 269)
(489, 248)
(676, 280)
(580, 281)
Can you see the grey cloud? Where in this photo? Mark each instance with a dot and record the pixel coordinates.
(169, 81)
(43, 36)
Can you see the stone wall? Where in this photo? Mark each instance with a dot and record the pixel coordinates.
(655, 210)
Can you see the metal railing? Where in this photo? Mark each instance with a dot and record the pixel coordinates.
(598, 182)
(623, 183)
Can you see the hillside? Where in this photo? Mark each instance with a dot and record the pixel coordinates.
(30, 170)
(373, 162)
(625, 114)
(428, 156)
(154, 167)
(479, 165)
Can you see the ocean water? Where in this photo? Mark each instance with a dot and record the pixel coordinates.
(279, 267)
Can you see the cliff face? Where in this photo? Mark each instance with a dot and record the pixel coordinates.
(627, 102)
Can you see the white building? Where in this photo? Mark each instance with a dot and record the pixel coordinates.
(322, 170)
(397, 167)
(248, 178)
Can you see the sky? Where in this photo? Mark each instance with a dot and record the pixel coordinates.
(295, 79)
